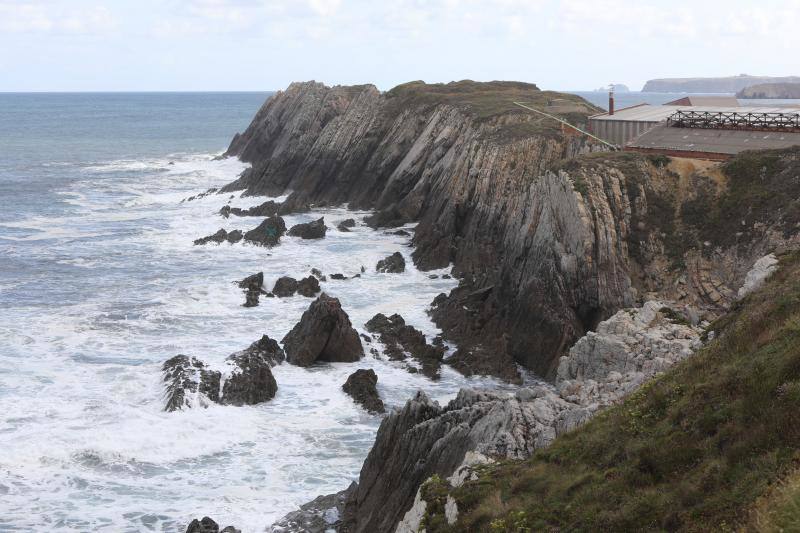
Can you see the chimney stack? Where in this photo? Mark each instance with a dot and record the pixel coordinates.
(611, 100)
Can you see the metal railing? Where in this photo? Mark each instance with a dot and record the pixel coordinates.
(733, 120)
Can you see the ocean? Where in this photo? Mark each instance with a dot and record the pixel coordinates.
(100, 284)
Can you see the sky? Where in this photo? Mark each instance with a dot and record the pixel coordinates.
(260, 45)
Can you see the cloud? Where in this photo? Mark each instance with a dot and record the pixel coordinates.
(26, 17)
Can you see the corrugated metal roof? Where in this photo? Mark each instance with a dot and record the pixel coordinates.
(698, 100)
(659, 113)
(663, 137)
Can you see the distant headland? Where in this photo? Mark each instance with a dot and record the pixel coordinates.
(730, 84)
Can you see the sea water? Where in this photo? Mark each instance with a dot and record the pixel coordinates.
(100, 284)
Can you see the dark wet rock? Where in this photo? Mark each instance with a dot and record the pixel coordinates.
(268, 233)
(338, 276)
(235, 236)
(363, 269)
(394, 264)
(308, 287)
(285, 287)
(480, 361)
(433, 276)
(346, 224)
(324, 333)
(400, 233)
(309, 230)
(186, 376)
(317, 273)
(267, 209)
(361, 385)
(267, 348)
(250, 381)
(401, 339)
(447, 276)
(219, 237)
(252, 286)
(207, 525)
(386, 218)
(317, 516)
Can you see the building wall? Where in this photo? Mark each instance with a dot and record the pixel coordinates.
(619, 132)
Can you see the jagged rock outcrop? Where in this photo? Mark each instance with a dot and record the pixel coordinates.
(324, 333)
(547, 239)
(400, 339)
(424, 439)
(284, 287)
(252, 287)
(308, 287)
(317, 516)
(482, 362)
(221, 236)
(248, 378)
(310, 230)
(268, 233)
(755, 278)
(267, 209)
(362, 386)
(394, 264)
(207, 525)
(189, 382)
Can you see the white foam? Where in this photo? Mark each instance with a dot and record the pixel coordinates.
(83, 439)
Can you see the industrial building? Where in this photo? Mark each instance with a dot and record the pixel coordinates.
(697, 126)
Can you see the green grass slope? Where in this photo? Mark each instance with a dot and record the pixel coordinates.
(693, 450)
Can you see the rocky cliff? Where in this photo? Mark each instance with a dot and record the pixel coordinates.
(771, 90)
(729, 84)
(547, 238)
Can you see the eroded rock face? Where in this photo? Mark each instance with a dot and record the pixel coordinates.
(310, 230)
(324, 333)
(268, 233)
(756, 276)
(189, 382)
(424, 439)
(361, 385)
(400, 339)
(394, 264)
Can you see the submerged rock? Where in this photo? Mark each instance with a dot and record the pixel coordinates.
(400, 339)
(324, 333)
(285, 287)
(221, 236)
(268, 233)
(394, 264)
(308, 287)
(346, 224)
(361, 385)
(207, 525)
(189, 381)
(309, 230)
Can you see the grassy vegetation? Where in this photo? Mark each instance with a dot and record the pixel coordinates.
(763, 187)
(488, 100)
(692, 450)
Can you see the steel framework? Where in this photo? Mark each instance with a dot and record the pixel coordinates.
(731, 120)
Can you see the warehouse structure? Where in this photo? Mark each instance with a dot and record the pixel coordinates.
(698, 126)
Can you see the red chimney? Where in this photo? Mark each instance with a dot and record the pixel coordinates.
(611, 101)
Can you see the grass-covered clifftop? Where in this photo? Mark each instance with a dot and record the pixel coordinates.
(702, 448)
